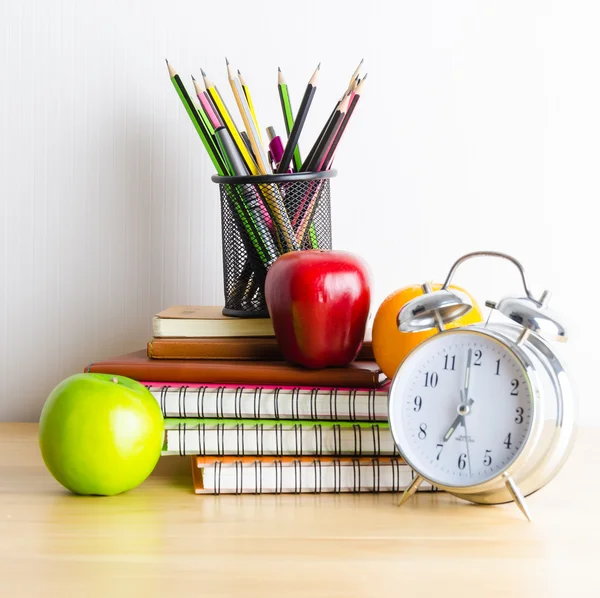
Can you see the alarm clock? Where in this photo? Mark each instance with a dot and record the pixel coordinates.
(485, 412)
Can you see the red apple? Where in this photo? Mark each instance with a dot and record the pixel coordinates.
(319, 303)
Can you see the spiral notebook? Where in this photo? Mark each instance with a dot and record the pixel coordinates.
(266, 437)
(270, 402)
(248, 475)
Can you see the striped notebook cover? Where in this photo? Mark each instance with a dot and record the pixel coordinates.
(267, 437)
(270, 402)
(249, 475)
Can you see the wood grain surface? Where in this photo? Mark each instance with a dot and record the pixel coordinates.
(162, 540)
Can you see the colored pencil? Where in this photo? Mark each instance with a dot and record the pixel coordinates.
(266, 254)
(206, 103)
(246, 140)
(228, 122)
(199, 124)
(327, 138)
(240, 98)
(250, 103)
(354, 98)
(270, 193)
(288, 115)
(292, 142)
(351, 83)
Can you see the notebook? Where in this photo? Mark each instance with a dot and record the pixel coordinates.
(137, 365)
(237, 475)
(201, 321)
(233, 348)
(268, 437)
(270, 402)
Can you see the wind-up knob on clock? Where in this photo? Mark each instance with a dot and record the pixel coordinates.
(485, 412)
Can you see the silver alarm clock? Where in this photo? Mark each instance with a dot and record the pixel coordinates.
(485, 412)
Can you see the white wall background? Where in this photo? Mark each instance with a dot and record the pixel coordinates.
(479, 128)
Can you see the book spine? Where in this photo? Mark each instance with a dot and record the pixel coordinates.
(317, 476)
(277, 440)
(271, 402)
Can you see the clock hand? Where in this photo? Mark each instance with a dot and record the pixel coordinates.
(459, 419)
(467, 441)
(465, 391)
(464, 402)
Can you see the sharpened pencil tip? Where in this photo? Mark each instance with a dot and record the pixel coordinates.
(166, 61)
(226, 61)
(362, 60)
(203, 73)
(193, 78)
(319, 66)
(239, 72)
(279, 69)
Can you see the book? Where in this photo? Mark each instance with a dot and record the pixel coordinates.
(267, 437)
(249, 475)
(247, 348)
(202, 321)
(270, 402)
(137, 365)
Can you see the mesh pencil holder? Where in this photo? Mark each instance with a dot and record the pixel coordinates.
(263, 217)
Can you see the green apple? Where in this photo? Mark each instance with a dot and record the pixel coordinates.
(100, 434)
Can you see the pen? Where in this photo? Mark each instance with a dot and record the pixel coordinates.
(275, 147)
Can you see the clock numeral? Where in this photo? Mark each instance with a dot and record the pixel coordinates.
(462, 460)
(487, 460)
(449, 361)
(418, 403)
(478, 355)
(431, 379)
(507, 441)
(441, 448)
(515, 384)
(497, 367)
(423, 431)
(519, 418)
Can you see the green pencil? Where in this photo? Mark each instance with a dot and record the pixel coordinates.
(288, 115)
(263, 251)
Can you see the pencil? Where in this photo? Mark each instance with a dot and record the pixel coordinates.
(240, 98)
(351, 84)
(250, 103)
(354, 98)
(303, 216)
(292, 142)
(206, 103)
(270, 193)
(322, 146)
(288, 114)
(265, 253)
(246, 140)
(228, 122)
(199, 124)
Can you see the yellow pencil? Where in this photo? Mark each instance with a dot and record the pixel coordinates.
(270, 193)
(250, 104)
(229, 124)
(257, 147)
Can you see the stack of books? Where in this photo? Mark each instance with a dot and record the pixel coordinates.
(253, 423)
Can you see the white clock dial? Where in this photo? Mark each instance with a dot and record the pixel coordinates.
(461, 408)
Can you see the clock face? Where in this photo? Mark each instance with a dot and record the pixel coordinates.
(461, 408)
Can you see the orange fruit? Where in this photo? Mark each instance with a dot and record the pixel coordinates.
(390, 346)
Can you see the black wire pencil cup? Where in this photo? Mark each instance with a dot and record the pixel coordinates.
(271, 203)
(248, 251)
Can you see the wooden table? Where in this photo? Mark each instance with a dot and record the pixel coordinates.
(162, 540)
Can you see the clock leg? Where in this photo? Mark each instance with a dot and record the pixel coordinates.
(517, 495)
(410, 490)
